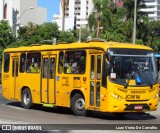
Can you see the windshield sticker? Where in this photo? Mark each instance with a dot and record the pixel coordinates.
(113, 75)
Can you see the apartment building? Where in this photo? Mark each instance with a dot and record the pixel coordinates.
(20, 12)
(76, 13)
(153, 9)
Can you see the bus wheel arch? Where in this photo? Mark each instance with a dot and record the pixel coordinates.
(26, 98)
(78, 103)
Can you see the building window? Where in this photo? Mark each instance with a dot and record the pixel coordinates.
(5, 12)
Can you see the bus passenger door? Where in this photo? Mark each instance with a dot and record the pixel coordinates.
(95, 80)
(14, 85)
(48, 79)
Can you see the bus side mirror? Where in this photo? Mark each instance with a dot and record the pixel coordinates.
(108, 67)
(107, 62)
(108, 56)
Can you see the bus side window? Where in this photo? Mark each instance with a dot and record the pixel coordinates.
(22, 62)
(33, 62)
(75, 62)
(6, 62)
(104, 73)
(52, 68)
(60, 63)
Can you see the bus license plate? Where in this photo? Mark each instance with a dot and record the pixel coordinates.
(138, 107)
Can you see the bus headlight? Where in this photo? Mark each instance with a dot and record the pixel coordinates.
(116, 96)
(155, 96)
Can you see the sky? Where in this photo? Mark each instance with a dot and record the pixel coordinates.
(52, 7)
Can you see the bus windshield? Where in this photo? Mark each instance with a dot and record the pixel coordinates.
(137, 66)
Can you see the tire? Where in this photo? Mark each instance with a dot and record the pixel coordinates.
(26, 99)
(78, 105)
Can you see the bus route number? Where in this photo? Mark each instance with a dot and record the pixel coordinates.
(132, 97)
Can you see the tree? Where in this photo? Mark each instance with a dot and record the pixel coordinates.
(6, 36)
(141, 19)
(101, 17)
(66, 37)
(154, 35)
(32, 33)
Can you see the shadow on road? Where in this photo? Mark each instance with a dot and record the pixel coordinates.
(93, 114)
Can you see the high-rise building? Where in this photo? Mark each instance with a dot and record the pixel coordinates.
(153, 9)
(20, 12)
(76, 13)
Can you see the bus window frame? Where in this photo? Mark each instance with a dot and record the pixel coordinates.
(39, 65)
(85, 59)
(20, 68)
(8, 64)
(61, 62)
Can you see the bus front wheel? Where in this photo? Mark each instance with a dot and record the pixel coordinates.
(78, 105)
(26, 99)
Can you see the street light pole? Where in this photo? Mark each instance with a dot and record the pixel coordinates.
(15, 23)
(30, 8)
(80, 33)
(63, 14)
(135, 16)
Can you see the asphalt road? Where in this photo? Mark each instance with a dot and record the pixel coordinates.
(12, 113)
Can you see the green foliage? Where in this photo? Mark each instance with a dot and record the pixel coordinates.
(100, 17)
(35, 33)
(84, 34)
(6, 36)
(66, 37)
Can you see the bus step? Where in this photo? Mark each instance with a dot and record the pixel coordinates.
(48, 105)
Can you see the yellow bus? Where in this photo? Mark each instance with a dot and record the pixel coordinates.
(91, 76)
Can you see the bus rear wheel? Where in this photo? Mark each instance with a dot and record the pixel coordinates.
(78, 105)
(26, 99)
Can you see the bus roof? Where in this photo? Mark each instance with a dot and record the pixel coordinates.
(83, 45)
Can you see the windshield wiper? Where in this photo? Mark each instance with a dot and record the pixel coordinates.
(146, 80)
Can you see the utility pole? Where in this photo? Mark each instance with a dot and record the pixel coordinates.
(135, 16)
(80, 32)
(14, 26)
(63, 14)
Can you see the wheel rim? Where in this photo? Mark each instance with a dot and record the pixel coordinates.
(26, 99)
(80, 104)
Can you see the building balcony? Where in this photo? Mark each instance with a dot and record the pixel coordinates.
(151, 3)
(149, 10)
